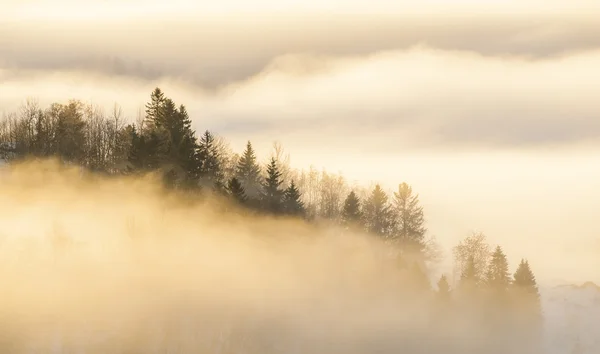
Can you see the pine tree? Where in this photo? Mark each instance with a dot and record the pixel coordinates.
(272, 195)
(293, 204)
(248, 172)
(497, 276)
(211, 172)
(236, 190)
(378, 215)
(351, 212)
(410, 230)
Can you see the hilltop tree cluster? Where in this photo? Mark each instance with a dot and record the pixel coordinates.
(505, 307)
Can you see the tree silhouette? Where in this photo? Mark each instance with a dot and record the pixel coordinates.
(351, 211)
(272, 195)
(293, 204)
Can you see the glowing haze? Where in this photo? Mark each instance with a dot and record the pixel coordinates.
(488, 108)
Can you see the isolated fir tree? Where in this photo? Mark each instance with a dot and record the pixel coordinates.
(272, 194)
(525, 279)
(351, 211)
(211, 172)
(409, 229)
(248, 172)
(292, 202)
(378, 214)
(236, 190)
(526, 289)
(497, 275)
(527, 308)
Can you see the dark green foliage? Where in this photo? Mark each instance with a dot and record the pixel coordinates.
(272, 195)
(292, 202)
(248, 172)
(211, 171)
(378, 214)
(69, 135)
(167, 142)
(351, 211)
(236, 191)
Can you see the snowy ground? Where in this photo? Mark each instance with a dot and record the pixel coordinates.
(572, 314)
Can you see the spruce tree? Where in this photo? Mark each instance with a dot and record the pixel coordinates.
(154, 109)
(351, 211)
(527, 308)
(211, 171)
(236, 190)
(272, 195)
(497, 276)
(293, 204)
(378, 215)
(168, 142)
(248, 172)
(526, 289)
(410, 230)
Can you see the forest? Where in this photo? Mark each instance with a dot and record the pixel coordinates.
(498, 309)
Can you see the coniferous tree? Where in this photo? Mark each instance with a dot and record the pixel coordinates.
(272, 195)
(167, 142)
(69, 135)
(378, 215)
(497, 276)
(154, 109)
(410, 230)
(527, 308)
(236, 191)
(211, 172)
(293, 204)
(248, 172)
(351, 212)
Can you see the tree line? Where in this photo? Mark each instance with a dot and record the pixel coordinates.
(163, 141)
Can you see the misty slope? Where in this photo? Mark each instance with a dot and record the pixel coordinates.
(572, 313)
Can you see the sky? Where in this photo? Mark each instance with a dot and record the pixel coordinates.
(488, 108)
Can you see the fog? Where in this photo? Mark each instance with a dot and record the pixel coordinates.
(117, 265)
(488, 109)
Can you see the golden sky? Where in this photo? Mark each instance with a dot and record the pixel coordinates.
(489, 108)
